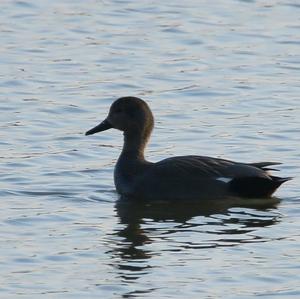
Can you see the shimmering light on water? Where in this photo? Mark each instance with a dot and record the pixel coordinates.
(222, 80)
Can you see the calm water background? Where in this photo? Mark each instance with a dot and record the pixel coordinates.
(222, 78)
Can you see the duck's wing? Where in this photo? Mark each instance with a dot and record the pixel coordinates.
(265, 165)
(207, 167)
(211, 176)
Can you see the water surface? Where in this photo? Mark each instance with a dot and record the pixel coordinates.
(222, 80)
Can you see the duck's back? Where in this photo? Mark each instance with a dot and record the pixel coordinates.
(200, 177)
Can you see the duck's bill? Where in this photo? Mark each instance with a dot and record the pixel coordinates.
(105, 125)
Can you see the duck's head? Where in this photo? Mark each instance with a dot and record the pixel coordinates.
(128, 114)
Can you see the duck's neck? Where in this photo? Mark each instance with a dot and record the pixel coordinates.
(134, 144)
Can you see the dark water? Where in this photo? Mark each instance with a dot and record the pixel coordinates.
(222, 78)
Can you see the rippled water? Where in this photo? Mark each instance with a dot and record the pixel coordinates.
(222, 78)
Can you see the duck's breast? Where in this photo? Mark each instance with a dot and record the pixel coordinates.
(128, 173)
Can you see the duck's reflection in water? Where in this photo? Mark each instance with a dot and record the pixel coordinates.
(148, 229)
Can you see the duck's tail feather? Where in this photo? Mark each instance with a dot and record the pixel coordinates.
(279, 181)
(255, 187)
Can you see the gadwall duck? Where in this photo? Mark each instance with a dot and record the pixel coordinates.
(181, 177)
